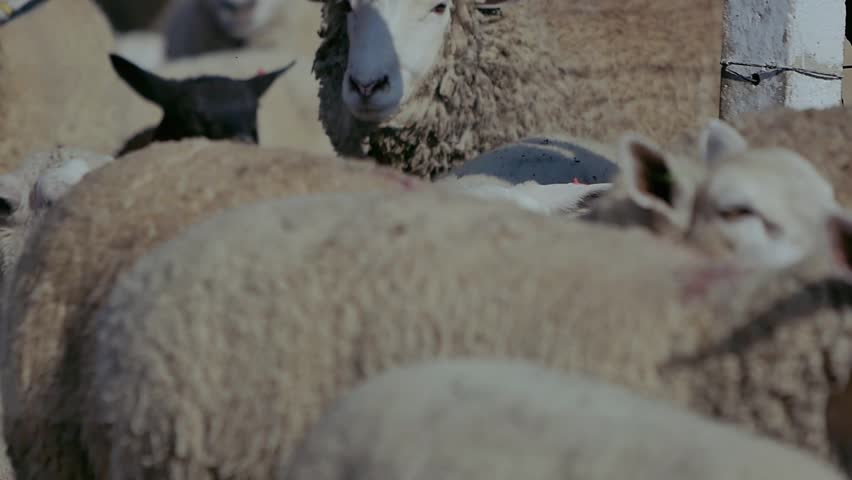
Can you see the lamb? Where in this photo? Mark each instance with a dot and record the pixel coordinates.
(425, 85)
(820, 135)
(287, 116)
(114, 215)
(209, 106)
(195, 27)
(28, 192)
(69, 96)
(757, 203)
(501, 420)
(303, 298)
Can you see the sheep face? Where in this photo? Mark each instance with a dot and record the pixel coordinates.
(761, 205)
(393, 45)
(214, 107)
(240, 19)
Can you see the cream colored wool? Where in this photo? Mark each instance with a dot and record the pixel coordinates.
(499, 420)
(246, 327)
(56, 83)
(113, 216)
(588, 69)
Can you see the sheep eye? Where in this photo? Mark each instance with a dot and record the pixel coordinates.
(440, 8)
(735, 213)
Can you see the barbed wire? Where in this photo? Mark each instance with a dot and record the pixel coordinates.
(755, 78)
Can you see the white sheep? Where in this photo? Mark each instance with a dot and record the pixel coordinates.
(113, 216)
(292, 302)
(728, 197)
(498, 420)
(425, 85)
(195, 27)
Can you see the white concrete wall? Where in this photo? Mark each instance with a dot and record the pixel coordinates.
(807, 34)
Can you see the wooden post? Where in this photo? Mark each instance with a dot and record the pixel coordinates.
(803, 34)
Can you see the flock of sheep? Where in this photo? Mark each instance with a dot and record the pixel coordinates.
(413, 239)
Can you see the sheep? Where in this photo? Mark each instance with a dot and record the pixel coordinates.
(195, 27)
(13, 9)
(296, 300)
(68, 96)
(552, 199)
(499, 420)
(287, 116)
(757, 202)
(28, 192)
(113, 216)
(820, 135)
(425, 85)
(546, 160)
(209, 106)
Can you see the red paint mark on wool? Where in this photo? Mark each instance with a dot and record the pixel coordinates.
(577, 181)
(261, 71)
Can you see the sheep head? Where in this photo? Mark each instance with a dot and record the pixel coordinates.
(240, 19)
(398, 76)
(215, 107)
(761, 205)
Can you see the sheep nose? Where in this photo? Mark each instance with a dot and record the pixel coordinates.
(367, 89)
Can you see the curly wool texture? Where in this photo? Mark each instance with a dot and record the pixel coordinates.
(822, 136)
(502, 420)
(113, 216)
(301, 300)
(56, 83)
(589, 70)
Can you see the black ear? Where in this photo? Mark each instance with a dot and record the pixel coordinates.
(261, 83)
(150, 86)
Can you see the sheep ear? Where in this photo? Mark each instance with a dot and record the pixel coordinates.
(261, 83)
(840, 241)
(145, 83)
(647, 173)
(719, 139)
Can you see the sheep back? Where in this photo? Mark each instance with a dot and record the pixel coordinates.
(499, 420)
(114, 215)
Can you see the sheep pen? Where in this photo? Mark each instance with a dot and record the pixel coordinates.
(489, 419)
(113, 216)
(472, 75)
(302, 298)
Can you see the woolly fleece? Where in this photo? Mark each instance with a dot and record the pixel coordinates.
(499, 420)
(587, 69)
(300, 300)
(113, 216)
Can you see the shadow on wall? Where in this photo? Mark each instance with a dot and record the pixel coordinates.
(547, 161)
